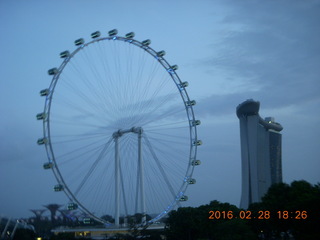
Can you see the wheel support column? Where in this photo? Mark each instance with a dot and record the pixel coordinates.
(116, 136)
(141, 168)
(117, 181)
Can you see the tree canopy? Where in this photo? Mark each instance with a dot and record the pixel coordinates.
(294, 210)
(285, 211)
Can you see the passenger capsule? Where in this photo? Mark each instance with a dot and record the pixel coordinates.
(86, 220)
(196, 122)
(130, 35)
(79, 41)
(95, 34)
(191, 181)
(174, 67)
(48, 165)
(72, 206)
(161, 53)
(113, 32)
(184, 84)
(41, 116)
(52, 71)
(197, 143)
(146, 42)
(58, 188)
(183, 198)
(44, 92)
(42, 141)
(195, 162)
(65, 54)
(191, 103)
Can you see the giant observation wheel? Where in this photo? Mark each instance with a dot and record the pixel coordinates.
(119, 129)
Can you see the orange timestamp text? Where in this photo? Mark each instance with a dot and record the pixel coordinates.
(262, 215)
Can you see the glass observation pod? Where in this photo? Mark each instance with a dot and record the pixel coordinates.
(195, 122)
(58, 188)
(72, 206)
(195, 162)
(184, 84)
(42, 141)
(161, 53)
(44, 92)
(41, 116)
(197, 143)
(130, 35)
(48, 165)
(113, 32)
(86, 220)
(174, 67)
(95, 34)
(79, 41)
(191, 103)
(146, 42)
(65, 54)
(192, 181)
(52, 71)
(183, 198)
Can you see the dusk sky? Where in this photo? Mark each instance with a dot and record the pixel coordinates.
(228, 50)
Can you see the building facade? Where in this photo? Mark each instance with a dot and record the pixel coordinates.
(260, 152)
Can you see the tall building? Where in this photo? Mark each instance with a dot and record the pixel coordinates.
(260, 152)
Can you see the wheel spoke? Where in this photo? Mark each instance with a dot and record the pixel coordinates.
(119, 129)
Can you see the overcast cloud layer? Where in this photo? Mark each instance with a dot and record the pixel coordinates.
(228, 51)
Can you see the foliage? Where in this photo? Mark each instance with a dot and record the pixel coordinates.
(294, 211)
(235, 229)
(108, 218)
(300, 203)
(190, 223)
(194, 223)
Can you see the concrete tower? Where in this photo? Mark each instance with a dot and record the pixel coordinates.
(260, 152)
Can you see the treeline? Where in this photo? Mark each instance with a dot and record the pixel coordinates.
(286, 212)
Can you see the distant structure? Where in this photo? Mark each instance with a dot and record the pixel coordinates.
(260, 152)
(53, 208)
(38, 213)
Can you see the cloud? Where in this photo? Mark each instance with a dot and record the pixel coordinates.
(273, 58)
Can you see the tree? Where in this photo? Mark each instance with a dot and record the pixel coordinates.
(293, 208)
(194, 223)
(108, 218)
(182, 224)
(234, 229)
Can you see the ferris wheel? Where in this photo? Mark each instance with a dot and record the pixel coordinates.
(119, 129)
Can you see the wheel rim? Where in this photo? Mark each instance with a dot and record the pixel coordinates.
(111, 85)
